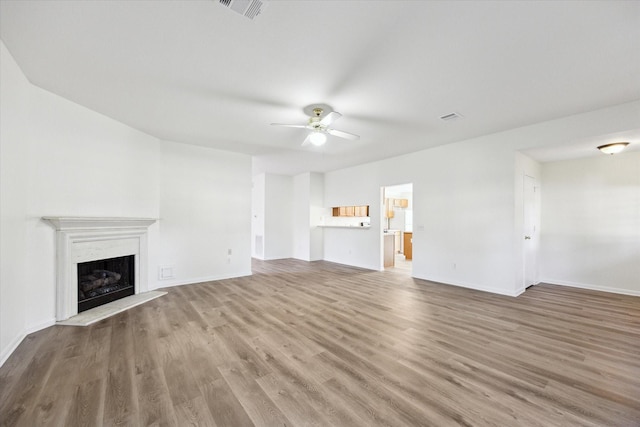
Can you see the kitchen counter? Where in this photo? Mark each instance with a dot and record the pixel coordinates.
(397, 234)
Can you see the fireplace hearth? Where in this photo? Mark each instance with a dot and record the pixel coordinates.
(105, 280)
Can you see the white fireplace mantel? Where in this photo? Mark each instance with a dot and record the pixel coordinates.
(83, 239)
(97, 223)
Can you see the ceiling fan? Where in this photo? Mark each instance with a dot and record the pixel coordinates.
(319, 127)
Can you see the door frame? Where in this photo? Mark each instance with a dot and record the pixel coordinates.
(530, 211)
(384, 221)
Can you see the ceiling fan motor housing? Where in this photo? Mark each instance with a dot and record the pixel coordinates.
(314, 121)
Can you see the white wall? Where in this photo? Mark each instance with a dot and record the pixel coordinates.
(273, 215)
(14, 121)
(316, 213)
(278, 217)
(257, 215)
(467, 213)
(462, 213)
(61, 159)
(308, 213)
(463, 216)
(591, 223)
(355, 186)
(205, 213)
(301, 216)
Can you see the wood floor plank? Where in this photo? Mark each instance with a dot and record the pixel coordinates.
(287, 398)
(245, 356)
(259, 407)
(180, 382)
(316, 343)
(389, 384)
(85, 409)
(154, 401)
(194, 412)
(51, 408)
(295, 380)
(224, 406)
(529, 405)
(121, 404)
(26, 388)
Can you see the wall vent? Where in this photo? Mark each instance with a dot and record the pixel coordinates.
(248, 8)
(451, 116)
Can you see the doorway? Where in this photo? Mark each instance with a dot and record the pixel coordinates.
(531, 231)
(396, 247)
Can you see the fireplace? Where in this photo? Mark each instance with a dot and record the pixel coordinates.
(96, 251)
(105, 280)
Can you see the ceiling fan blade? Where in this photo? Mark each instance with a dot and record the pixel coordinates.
(307, 141)
(289, 126)
(330, 118)
(343, 134)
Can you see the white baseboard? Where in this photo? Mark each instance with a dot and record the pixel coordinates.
(11, 348)
(490, 289)
(623, 291)
(8, 351)
(363, 266)
(194, 280)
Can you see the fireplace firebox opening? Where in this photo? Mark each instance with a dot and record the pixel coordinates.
(105, 280)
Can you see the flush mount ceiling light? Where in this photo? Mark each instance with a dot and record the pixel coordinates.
(613, 148)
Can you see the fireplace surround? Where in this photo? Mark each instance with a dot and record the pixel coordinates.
(83, 239)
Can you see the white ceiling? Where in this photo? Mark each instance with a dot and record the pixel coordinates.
(198, 73)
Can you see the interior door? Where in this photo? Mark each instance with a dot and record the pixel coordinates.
(530, 238)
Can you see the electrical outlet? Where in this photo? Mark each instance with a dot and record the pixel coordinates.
(229, 252)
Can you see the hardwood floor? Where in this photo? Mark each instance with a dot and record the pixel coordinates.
(300, 344)
(402, 265)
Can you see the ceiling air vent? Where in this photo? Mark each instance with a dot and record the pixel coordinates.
(450, 117)
(248, 8)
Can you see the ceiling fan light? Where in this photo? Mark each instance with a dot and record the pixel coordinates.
(614, 148)
(317, 138)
